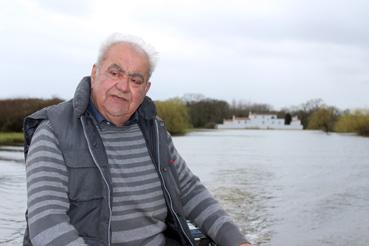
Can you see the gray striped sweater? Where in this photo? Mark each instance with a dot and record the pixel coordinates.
(138, 211)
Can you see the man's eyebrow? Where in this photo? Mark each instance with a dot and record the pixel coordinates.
(116, 66)
(134, 74)
(137, 75)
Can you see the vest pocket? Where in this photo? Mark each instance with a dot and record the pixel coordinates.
(85, 180)
(87, 196)
(85, 184)
(86, 216)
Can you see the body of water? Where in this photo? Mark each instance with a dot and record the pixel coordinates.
(282, 187)
(13, 195)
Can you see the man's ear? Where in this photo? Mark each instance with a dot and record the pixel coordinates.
(93, 74)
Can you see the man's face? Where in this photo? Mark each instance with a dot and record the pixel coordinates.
(120, 83)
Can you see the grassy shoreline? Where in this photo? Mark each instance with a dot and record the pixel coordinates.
(11, 138)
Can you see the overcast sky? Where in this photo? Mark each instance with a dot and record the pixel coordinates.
(280, 52)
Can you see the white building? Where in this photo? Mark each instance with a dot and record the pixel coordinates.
(260, 121)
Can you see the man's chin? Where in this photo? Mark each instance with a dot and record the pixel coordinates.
(117, 113)
(118, 106)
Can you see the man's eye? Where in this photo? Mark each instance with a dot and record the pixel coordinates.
(137, 81)
(114, 73)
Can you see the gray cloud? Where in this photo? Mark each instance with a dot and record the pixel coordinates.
(279, 52)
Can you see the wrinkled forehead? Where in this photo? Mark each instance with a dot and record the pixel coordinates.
(126, 49)
(126, 55)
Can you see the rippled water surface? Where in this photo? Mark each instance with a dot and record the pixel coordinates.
(12, 195)
(282, 187)
(287, 187)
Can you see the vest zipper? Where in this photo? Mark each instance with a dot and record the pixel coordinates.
(102, 174)
(164, 186)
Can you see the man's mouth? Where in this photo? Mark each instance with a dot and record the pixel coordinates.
(115, 97)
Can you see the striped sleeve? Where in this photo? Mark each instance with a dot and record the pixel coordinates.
(201, 208)
(47, 199)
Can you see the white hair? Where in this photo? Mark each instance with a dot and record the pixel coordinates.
(136, 42)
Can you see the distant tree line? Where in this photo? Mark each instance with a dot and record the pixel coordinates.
(330, 119)
(181, 114)
(314, 114)
(13, 111)
(175, 115)
(200, 112)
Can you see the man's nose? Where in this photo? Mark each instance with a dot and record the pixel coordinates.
(123, 84)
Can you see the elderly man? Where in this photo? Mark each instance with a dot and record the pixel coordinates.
(102, 169)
